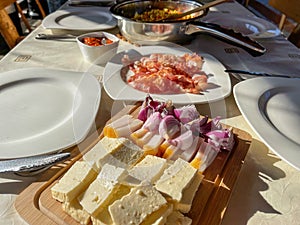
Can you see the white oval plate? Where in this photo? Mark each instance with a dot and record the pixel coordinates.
(253, 27)
(44, 111)
(80, 19)
(272, 108)
(117, 89)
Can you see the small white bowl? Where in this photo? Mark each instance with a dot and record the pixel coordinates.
(98, 54)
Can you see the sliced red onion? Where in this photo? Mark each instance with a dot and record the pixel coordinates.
(189, 153)
(183, 141)
(153, 121)
(201, 127)
(195, 125)
(186, 113)
(214, 124)
(183, 129)
(150, 106)
(143, 114)
(207, 153)
(169, 127)
(223, 137)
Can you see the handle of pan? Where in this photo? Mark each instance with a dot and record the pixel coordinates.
(227, 35)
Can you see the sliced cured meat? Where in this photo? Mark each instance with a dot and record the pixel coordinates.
(167, 74)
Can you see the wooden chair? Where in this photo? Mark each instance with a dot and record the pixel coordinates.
(246, 3)
(43, 14)
(7, 27)
(289, 9)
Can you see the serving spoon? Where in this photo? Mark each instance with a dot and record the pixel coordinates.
(200, 8)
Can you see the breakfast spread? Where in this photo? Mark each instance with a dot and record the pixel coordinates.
(120, 181)
(167, 73)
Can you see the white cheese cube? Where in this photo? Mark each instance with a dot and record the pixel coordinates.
(163, 218)
(120, 152)
(129, 154)
(74, 182)
(100, 153)
(113, 144)
(176, 179)
(103, 217)
(112, 174)
(188, 195)
(149, 169)
(75, 210)
(144, 204)
(96, 195)
(101, 191)
(177, 218)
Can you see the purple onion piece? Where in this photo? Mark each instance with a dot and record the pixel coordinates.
(186, 114)
(153, 121)
(169, 127)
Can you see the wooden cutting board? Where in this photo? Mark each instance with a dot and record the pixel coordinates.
(36, 205)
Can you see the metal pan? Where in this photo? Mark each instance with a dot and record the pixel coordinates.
(175, 31)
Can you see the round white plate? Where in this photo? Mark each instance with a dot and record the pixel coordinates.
(80, 19)
(117, 89)
(272, 108)
(44, 111)
(253, 27)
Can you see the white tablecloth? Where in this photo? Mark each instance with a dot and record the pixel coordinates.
(267, 190)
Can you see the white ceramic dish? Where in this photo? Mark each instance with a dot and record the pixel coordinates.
(117, 89)
(80, 19)
(253, 27)
(44, 110)
(98, 54)
(272, 108)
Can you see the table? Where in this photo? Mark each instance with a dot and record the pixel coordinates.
(267, 190)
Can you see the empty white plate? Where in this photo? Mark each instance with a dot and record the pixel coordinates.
(80, 19)
(44, 110)
(272, 108)
(254, 27)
